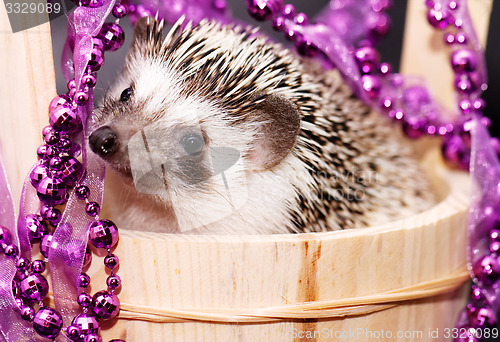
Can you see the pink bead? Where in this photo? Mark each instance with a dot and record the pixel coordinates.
(487, 269)
(87, 324)
(453, 5)
(105, 305)
(367, 59)
(112, 36)
(371, 84)
(279, 24)
(300, 19)
(64, 119)
(96, 59)
(381, 5)
(81, 98)
(463, 60)
(119, 11)
(103, 234)
(262, 10)
(461, 38)
(288, 11)
(449, 38)
(379, 24)
(438, 18)
(62, 100)
(385, 69)
(71, 84)
(89, 80)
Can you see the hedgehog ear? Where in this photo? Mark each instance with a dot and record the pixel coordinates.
(279, 127)
(148, 36)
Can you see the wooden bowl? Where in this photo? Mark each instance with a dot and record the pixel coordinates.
(236, 288)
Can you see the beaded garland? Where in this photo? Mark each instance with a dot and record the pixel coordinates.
(373, 81)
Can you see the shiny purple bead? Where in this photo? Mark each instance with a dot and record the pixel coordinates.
(33, 288)
(96, 59)
(92, 209)
(82, 192)
(367, 59)
(28, 313)
(64, 119)
(379, 24)
(84, 280)
(71, 171)
(92, 338)
(111, 261)
(105, 304)
(455, 151)
(22, 264)
(60, 100)
(119, 11)
(71, 84)
(35, 226)
(81, 98)
(487, 269)
(38, 266)
(371, 84)
(112, 36)
(41, 152)
(51, 137)
(414, 127)
(46, 245)
(385, 69)
(53, 215)
(84, 299)
(52, 191)
(64, 145)
(438, 18)
(300, 19)
(51, 151)
(307, 48)
(87, 324)
(279, 24)
(103, 233)
(113, 281)
(89, 80)
(262, 10)
(289, 11)
(464, 60)
(38, 173)
(11, 251)
(73, 332)
(55, 163)
(481, 317)
(467, 83)
(94, 3)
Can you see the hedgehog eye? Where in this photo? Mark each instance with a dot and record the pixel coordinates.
(126, 94)
(192, 143)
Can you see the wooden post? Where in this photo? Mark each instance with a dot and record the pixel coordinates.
(27, 84)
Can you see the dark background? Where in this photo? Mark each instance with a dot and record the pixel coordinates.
(390, 49)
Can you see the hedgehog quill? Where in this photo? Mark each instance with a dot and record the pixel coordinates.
(215, 130)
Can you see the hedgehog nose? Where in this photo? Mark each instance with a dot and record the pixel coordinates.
(103, 141)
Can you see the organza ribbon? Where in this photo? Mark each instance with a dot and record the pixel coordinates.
(71, 235)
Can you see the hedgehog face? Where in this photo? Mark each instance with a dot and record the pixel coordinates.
(181, 124)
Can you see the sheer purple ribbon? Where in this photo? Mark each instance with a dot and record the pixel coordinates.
(71, 236)
(12, 327)
(339, 30)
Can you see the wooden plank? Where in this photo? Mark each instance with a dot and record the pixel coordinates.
(27, 84)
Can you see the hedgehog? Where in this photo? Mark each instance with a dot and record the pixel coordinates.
(215, 129)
